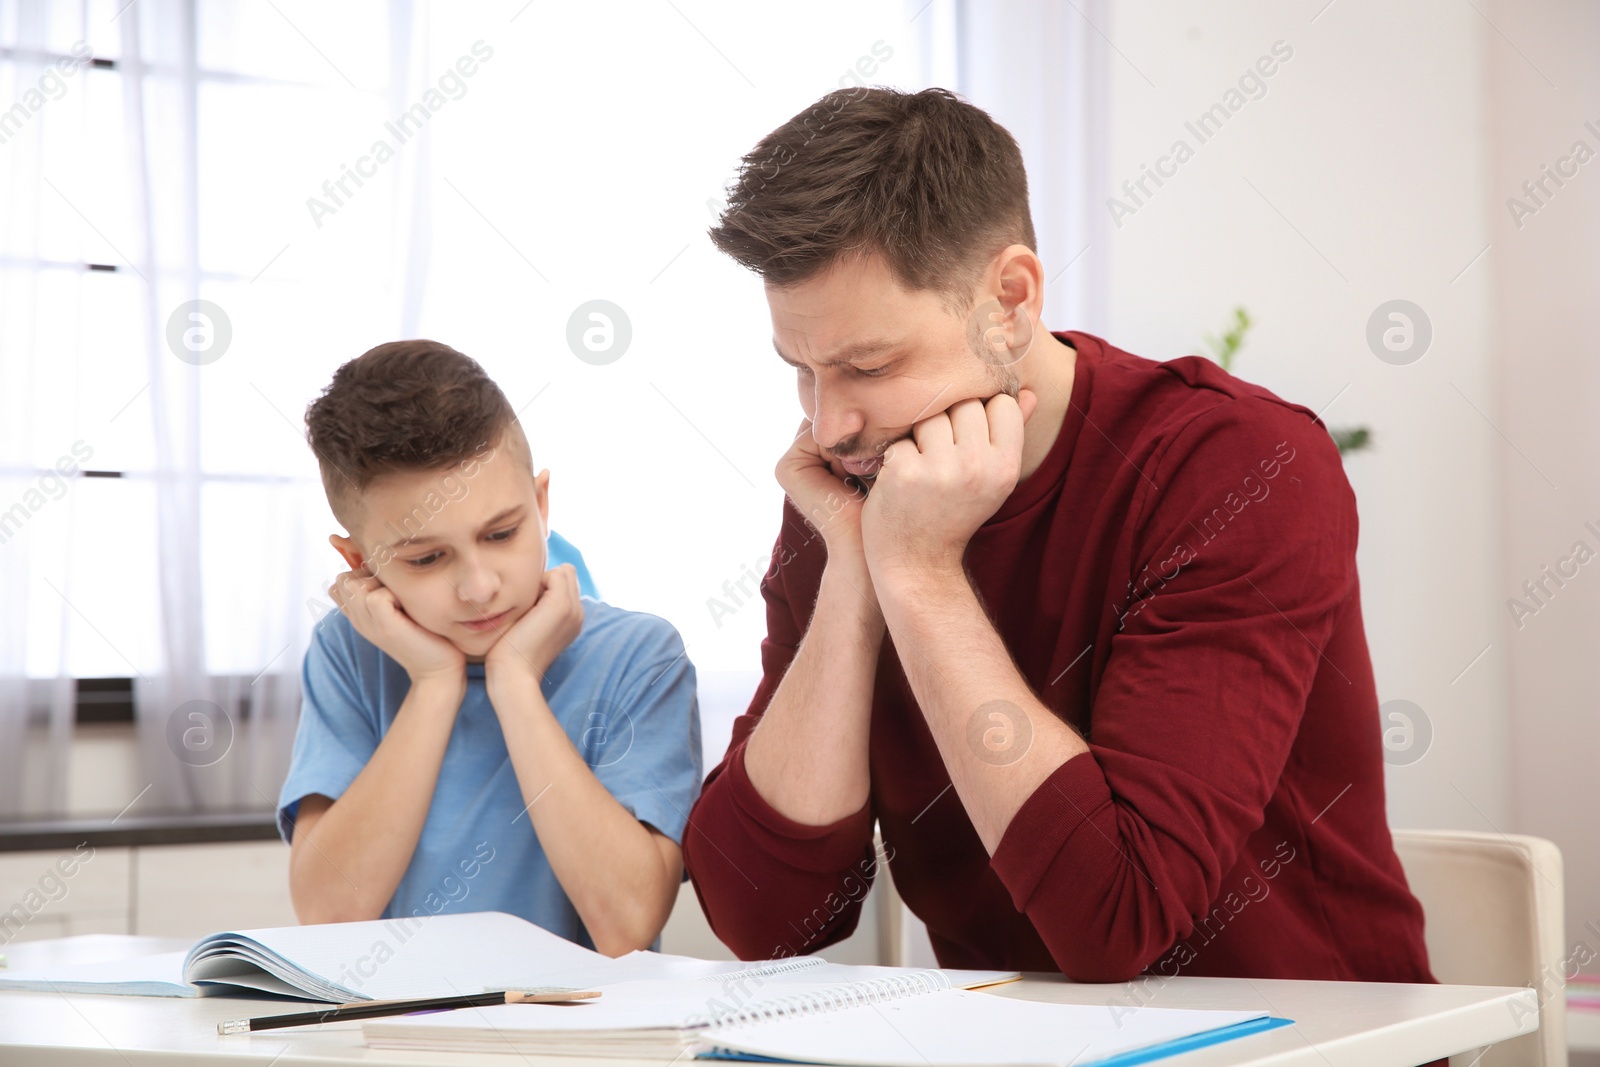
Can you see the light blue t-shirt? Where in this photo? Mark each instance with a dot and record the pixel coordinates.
(624, 691)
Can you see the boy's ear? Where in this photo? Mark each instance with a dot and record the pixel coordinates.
(541, 495)
(348, 549)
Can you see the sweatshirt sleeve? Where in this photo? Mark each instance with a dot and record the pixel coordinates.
(771, 887)
(1243, 560)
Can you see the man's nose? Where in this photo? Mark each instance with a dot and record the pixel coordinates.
(834, 419)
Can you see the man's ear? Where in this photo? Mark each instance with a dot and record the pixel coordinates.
(1021, 284)
(348, 549)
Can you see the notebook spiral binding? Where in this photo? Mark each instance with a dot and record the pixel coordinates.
(798, 963)
(850, 995)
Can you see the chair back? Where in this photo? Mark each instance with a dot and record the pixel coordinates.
(1494, 910)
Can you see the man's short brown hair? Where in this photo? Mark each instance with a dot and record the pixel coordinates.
(925, 179)
(405, 406)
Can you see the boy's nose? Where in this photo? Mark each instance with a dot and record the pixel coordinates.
(477, 582)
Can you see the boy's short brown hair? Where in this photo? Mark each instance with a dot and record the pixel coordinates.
(405, 406)
(925, 179)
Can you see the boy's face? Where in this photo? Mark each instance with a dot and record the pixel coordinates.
(458, 546)
(926, 363)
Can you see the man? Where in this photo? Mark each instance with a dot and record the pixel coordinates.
(1080, 631)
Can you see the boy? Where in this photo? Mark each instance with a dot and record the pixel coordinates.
(475, 734)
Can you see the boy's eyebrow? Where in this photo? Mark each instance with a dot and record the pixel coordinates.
(847, 354)
(422, 538)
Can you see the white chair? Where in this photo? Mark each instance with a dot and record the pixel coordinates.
(1494, 911)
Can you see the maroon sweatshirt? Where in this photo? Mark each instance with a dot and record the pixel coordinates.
(1178, 583)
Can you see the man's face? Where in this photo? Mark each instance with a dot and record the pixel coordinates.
(460, 546)
(872, 359)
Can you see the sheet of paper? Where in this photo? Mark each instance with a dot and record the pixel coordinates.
(957, 1029)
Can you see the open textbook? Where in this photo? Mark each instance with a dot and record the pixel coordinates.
(422, 956)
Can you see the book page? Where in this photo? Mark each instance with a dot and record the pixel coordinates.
(437, 955)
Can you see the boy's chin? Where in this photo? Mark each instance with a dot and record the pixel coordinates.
(475, 651)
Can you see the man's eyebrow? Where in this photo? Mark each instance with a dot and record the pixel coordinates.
(425, 539)
(847, 354)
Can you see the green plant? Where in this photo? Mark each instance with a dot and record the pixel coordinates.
(1351, 438)
(1223, 349)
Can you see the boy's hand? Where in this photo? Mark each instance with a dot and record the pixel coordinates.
(534, 641)
(373, 610)
(936, 489)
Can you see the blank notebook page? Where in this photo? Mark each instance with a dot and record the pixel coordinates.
(955, 1028)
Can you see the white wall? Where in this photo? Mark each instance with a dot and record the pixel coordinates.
(1376, 166)
(1357, 178)
(1545, 321)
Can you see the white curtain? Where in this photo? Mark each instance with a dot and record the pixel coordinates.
(188, 577)
(184, 573)
(37, 513)
(217, 740)
(208, 740)
(409, 68)
(1039, 67)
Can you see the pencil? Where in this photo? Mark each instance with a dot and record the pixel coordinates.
(368, 1009)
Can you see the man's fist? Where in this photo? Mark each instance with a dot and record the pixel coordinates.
(936, 488)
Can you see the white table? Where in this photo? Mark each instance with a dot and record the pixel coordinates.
(1337, 1024)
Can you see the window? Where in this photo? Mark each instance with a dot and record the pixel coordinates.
(582, 158)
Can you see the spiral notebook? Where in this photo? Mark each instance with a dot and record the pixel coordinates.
(895, 1019)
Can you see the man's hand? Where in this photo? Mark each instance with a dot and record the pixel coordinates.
(935, 489)
(534, 641)
(373, 610)
(822, 496)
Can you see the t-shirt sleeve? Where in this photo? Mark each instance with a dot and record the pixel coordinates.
(646, 748)
(1115, 854)
(338, 730)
